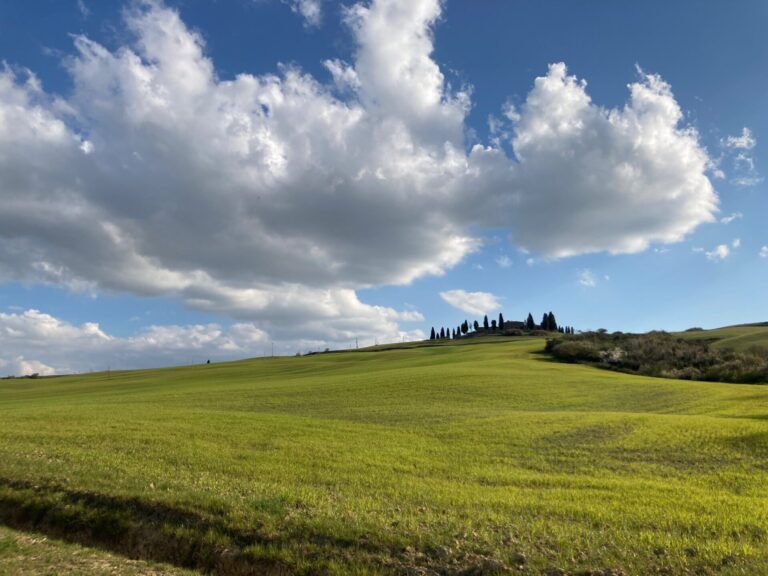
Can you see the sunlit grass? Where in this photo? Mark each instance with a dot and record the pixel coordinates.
(443, 457)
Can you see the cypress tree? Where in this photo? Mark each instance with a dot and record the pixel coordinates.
(442, 333)
(552, 322)
(501, 321)
(485, 322)
(545, 322)
(493, 325)
(464, 327)
(477, 326)
(529, 325)
(432, 334)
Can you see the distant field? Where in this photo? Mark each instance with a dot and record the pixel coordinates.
(740, 338)
(447, 459)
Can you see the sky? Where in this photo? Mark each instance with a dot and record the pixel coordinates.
(185, 180)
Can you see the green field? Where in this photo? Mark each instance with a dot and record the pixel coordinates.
(451, 459)
(739, 338)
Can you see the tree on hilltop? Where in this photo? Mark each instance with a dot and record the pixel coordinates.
(501, 321)
(477, 326)
(551, 322)
(485, 322)
(529, 323)
(432, 334)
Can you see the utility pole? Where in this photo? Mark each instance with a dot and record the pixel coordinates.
(273, 349)
(356, 346)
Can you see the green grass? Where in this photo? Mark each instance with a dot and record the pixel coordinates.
(37, 555)
(739, 338)
(446, 458)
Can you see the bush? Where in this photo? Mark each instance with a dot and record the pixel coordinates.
(661, 354)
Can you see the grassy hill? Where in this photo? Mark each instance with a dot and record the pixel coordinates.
(448, 459)
(740, 338)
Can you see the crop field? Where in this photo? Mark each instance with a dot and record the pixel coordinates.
(473, 458)
(739, 338)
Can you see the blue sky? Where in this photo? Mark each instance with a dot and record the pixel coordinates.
(196, 179)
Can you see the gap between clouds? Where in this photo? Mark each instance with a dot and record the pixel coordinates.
(272, 198)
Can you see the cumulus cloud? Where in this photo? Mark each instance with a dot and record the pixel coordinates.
(476, 303)
(274, 198)
(764, 252)
(591, 179)
(33, 341)
(587, 279)
(720, 252)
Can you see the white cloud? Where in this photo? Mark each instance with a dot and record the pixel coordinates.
(634, 175)
(587, 279)
(721, 252)
(736, 243)
(731, 218)
(32, 341)
(504, 261)
(745, 141)
(476, 303)
(83, 8)
(739, 150)
(273, 198)
(310, 10)
(764, 252)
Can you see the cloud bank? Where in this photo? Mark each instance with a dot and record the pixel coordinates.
(272, 199)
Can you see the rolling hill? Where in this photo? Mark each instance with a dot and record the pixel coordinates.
(740, 338)
(464, 458)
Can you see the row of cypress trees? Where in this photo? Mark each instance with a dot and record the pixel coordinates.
(548, 323)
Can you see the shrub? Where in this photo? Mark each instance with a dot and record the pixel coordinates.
(661, 354)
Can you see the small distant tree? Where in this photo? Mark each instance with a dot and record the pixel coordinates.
(432, 334)
(453, 333)
(464, 327)
(529, 323)
(485, 322)
(458, 330)
(545, 322)
(551, 322)
(493, 325)
(442, 333)
(501, 321)
(477, 326)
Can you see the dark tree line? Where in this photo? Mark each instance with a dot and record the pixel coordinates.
(548, 324)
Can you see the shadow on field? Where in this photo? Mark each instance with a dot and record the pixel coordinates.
(143, 530)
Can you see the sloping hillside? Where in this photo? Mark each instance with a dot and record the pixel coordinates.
(449, 459)
(740, 338)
